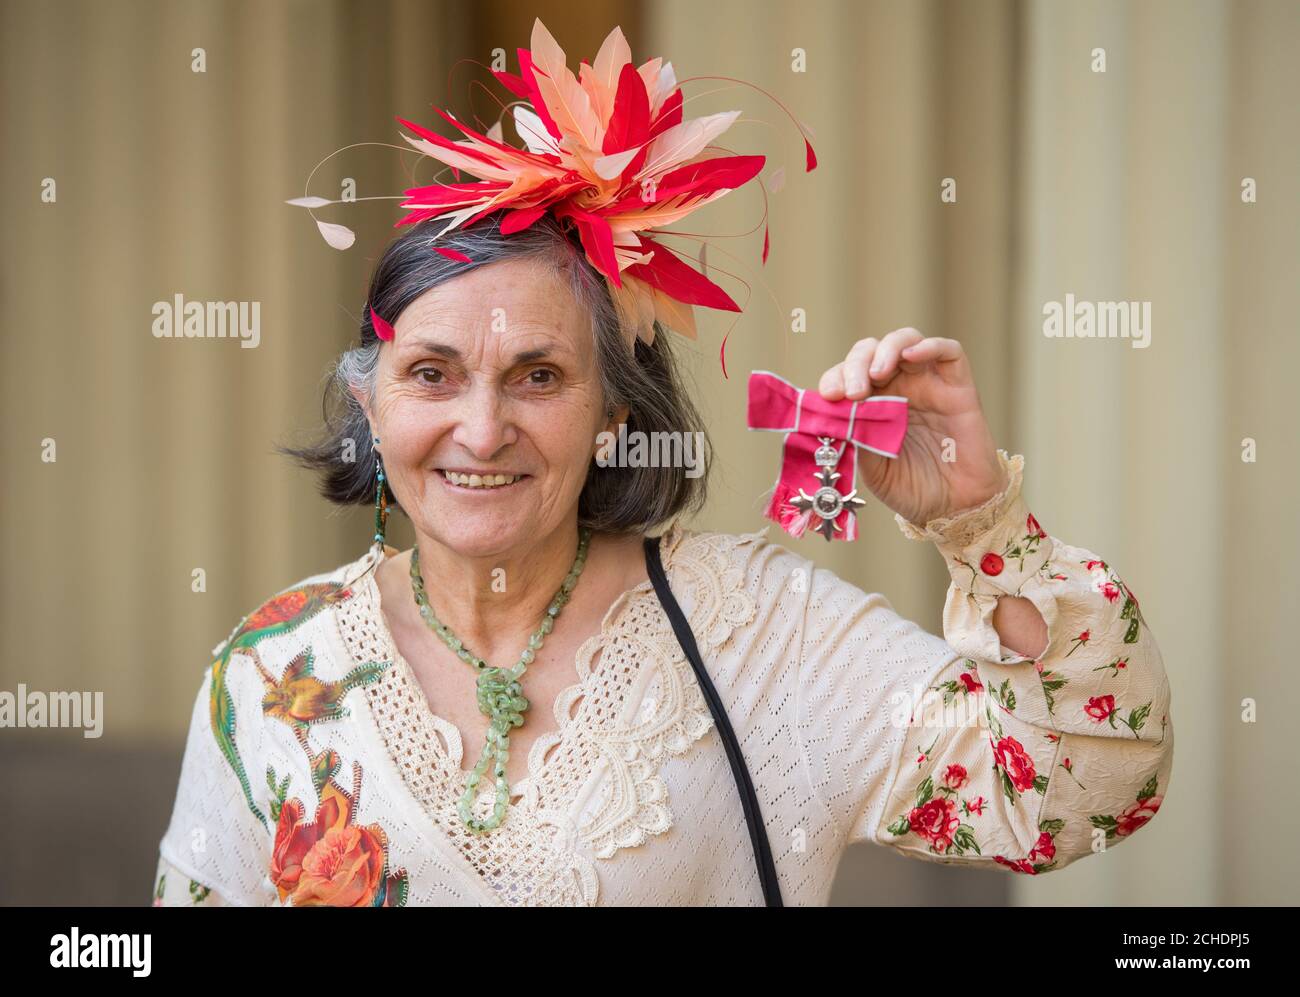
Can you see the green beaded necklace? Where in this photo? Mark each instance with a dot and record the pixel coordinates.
(500, 695)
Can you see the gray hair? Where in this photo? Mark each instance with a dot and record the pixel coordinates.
(645, 378)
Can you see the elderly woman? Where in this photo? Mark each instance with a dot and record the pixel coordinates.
(333, 755)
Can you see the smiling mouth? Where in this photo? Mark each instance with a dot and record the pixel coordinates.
(480, 482)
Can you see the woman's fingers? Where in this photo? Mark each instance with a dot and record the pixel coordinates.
(856, 383)
(874, 361)
(831, 386)
(946, 353)
(884, 362)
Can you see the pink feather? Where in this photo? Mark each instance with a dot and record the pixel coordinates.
(452, 254)
(382, 329)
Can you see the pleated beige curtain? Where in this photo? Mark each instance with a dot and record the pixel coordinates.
(1132, 190)
(172, 182)
(1116, 186)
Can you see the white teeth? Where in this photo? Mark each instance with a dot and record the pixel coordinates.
(480, 480)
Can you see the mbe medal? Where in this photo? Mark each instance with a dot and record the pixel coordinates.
(826, 501)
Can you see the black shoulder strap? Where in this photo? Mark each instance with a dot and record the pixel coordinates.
(748, 799)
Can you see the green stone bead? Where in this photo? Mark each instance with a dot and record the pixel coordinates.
(499, 693)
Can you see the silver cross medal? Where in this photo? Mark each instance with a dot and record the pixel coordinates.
(826, 501)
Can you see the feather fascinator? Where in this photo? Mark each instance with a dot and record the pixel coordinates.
(610, 153)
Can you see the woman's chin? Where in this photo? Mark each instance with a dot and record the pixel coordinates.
(483, 534)
(476, 522)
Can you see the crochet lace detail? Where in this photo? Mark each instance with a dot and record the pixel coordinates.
(964, 527)
(593, 785)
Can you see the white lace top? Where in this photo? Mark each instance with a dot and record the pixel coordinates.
(316, 773)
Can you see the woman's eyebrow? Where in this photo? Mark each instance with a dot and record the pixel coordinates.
(451, 353)
(432, 346)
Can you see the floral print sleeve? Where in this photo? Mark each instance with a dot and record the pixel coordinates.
(960, 750)
(172, 888)
(213, 838)
(1029, 764)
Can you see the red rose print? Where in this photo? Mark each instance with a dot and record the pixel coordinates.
(1044, 848)
(1110, 591)
(1100, 707)
(954, 777)
(1137, 815)
(1079, 642)
(1012, 759)
(971, 683)
(936, 822)
(991, 564)
(1017, 865)
(1034, 529)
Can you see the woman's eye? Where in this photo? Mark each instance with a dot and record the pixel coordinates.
(430, 375)
(541, 376)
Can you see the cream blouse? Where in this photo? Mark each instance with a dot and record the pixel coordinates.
(316, 773)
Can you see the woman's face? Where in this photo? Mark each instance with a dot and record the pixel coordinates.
(492, 373)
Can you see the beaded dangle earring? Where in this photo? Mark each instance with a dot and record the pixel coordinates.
(381, 498)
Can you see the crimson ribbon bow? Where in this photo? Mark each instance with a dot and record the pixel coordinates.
(816, 453)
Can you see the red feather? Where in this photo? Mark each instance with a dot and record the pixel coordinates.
(707, 177)
(520, 219)
(489, 209)
(670, 113)
(512, 83)
(446, 143)
(597, 240)
(699, 179)
(811, 157)
(452, 254)
(382, 329)
(496, 145)
(677, 280)
(629, 122)
(450, 195)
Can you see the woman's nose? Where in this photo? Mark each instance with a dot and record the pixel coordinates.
(483, 424)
